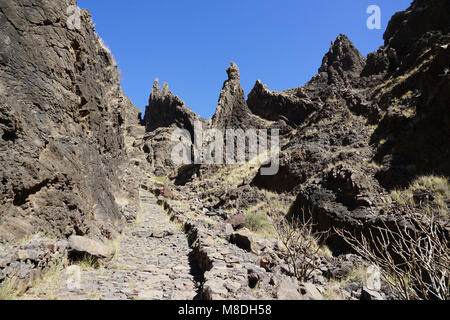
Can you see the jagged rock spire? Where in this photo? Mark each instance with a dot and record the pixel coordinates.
(232, 110)
(233, 72)
(165, 109)
(343, 61)
(158, 94)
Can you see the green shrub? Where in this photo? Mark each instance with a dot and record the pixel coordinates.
(258, 221)
(437, 186)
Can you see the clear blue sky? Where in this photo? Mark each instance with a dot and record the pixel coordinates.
(189, 44)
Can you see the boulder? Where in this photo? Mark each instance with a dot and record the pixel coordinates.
(367, 294)
(288, 290)
(310, 292)
(85, 246)
(27, 262)
(214, 289)
(243, 239)
(255, 275)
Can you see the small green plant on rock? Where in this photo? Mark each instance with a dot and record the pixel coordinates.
(88, 262)
(11, 289)
(42, 286)
(437, 187)
(259, 222)
(160, 180)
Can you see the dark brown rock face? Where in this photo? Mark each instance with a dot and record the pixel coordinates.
(291, 107)
(341, 66)
(232, 110)
(165, 114)
(424, 16)
(342, 63)
(62, 117)
(376, 124)
(165, 109)
(416, 94)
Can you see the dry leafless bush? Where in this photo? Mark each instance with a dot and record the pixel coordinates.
(302, 244)
(412, 254)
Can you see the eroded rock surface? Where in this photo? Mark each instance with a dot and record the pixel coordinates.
(165, 109)
(62, 115)
(377, 125)
(232, 110)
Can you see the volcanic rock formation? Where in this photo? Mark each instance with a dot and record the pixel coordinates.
(232, 110)
(165, 109)
(362, 142)
(378, 125)
(62, 120)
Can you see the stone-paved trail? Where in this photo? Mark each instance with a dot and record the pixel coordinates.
(153, 262)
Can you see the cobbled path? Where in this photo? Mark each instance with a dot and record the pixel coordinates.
(153, 263)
